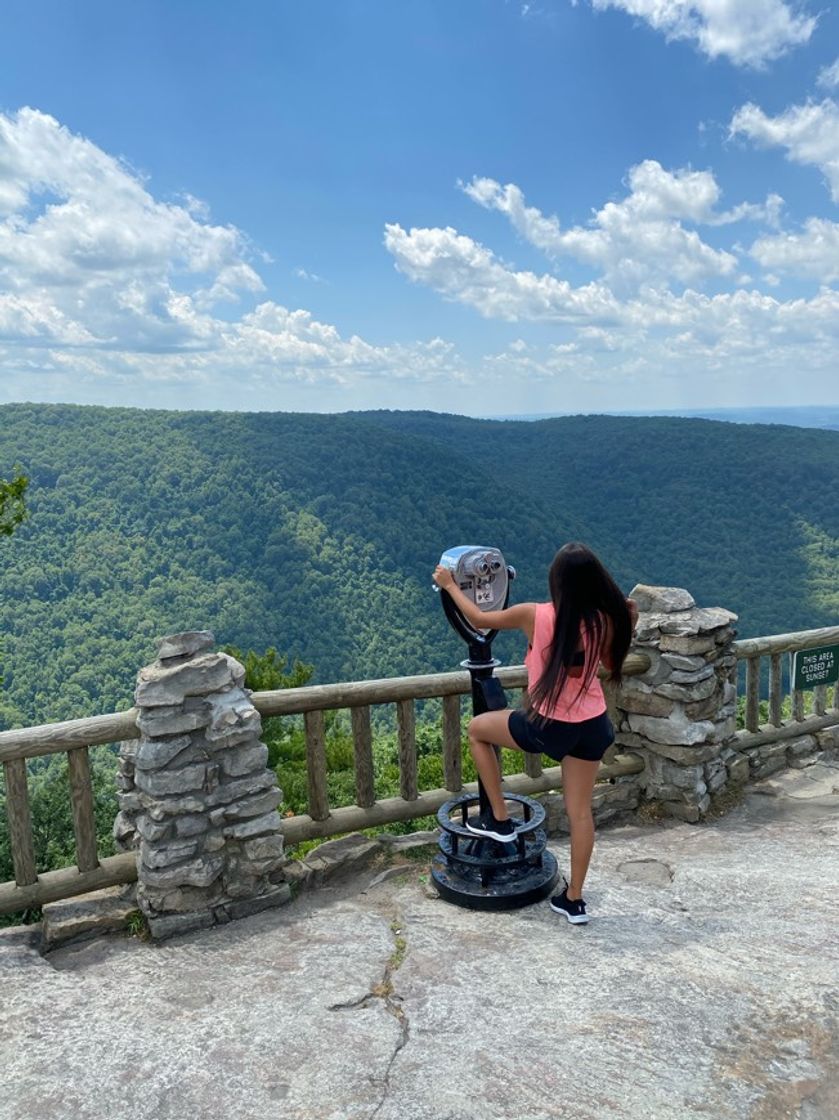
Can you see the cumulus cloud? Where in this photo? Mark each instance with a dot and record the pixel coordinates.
(658, 322)
(810, 134)
(102, 283)
(747, 32)
(721, 338)
(82, 234)
(829, 76)
(464, 270)
(813, 252)
(36, 319)
(99, 276)
(643, 238)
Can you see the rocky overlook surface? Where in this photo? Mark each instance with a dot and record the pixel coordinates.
(704, 988)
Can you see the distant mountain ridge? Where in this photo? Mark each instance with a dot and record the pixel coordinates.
(317, 533)
(798, 416)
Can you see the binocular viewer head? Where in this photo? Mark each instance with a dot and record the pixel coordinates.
(482, 565)
(481, 574)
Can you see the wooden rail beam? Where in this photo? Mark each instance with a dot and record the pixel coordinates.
(351, 818)
(53, 738)
(790, 729)
(785, 643)
(68, 882)
(389, 690)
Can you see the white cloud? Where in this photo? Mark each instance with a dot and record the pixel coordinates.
(728, 323)
(36, 319)
(544, 233)
(810, 134)
(642, 319)
(768, 213)
(748, 32)
(641, 239)
(463, 270)
(652, 335)
(829, 76)
(273, 336)
(269, 351)
(82, 233)
(732, 339)
(100, 278)
(312, 277)
(811, 253)
(102, 284)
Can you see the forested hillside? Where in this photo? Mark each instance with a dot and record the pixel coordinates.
(317, 534)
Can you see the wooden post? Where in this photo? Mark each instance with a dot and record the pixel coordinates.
(532, 764)
(362, 738)
(81, 799)
(797, 704)
(819, 699)
(752, 693)
(20, 822)
(406, 724)
(775, 698)
(452, 746)
(316, 765)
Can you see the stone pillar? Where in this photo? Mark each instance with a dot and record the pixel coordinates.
(197, 801)
(681, 714)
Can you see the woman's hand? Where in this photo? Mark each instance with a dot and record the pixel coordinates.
(443, 577)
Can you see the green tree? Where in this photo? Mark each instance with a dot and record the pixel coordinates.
(12, 511)
(265, 672)
(12, 507)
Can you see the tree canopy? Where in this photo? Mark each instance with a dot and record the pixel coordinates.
(12, 507)
(316, 534)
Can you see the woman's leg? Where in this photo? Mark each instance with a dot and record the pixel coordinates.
(578, 776)
(486, 730)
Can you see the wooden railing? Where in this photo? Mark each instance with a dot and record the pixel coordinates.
(752, 650)
(75, 737)
(359, 696)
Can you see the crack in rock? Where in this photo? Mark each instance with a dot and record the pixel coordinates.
(386, 992)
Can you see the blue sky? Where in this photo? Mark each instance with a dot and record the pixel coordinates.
(483, 206)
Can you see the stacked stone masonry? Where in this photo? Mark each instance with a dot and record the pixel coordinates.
(681, 714)
(197, 800)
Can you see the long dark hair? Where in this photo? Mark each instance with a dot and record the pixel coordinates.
(584, 596)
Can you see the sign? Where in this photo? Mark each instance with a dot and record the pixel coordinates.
(815, 666)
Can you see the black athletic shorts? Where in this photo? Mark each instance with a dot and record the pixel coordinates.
(589, 739)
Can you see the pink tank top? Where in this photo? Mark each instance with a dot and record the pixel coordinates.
(576, 701)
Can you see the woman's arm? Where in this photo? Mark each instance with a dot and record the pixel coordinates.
(519, 617)
(606, 647)
(606, 655)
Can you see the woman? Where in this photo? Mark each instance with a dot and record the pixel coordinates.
(587, 622)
